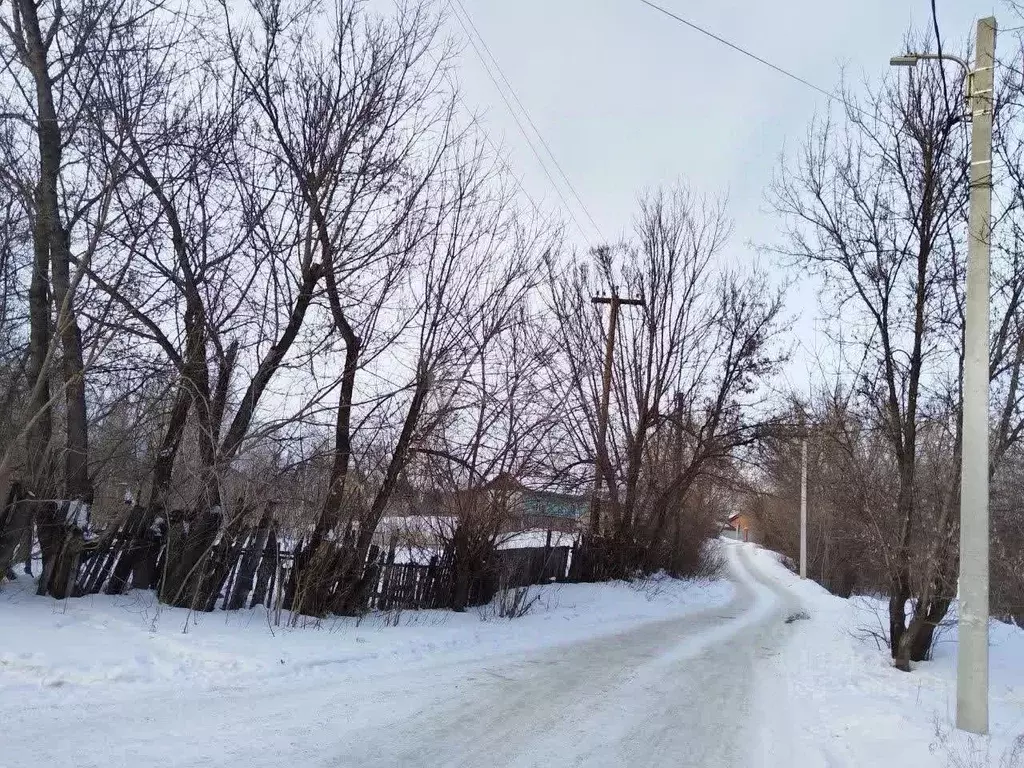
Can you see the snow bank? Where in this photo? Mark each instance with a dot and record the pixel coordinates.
(131, 640)
(850, 707)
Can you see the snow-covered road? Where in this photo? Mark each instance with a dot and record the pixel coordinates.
(614, 674)
(672, 692)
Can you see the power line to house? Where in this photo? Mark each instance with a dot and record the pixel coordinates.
(467, 27)
(938, 47)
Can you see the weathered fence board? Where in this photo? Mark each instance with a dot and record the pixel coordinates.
(249, 566)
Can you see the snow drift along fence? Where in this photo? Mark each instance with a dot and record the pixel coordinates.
(249, 566)
(413, 586)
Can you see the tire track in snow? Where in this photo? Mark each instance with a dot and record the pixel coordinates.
(668, 692)
(673, 693)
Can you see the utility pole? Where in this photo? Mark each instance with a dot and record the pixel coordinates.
(803, 509)
(972, 592)
(972, 651)
(606, 389)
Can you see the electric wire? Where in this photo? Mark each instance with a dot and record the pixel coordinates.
(519, 123)
(754, 56)
(529, 119)
(938, 46)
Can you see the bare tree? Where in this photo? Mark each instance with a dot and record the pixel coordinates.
(490, 440)
(473, 264)
(51, 53)
(687, 372)
(876, 205)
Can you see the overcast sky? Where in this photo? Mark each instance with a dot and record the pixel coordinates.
(629, 99)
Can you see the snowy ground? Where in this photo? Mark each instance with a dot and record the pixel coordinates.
(100, 640)
(672, 673)
(849, 707)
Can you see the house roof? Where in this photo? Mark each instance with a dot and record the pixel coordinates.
(507, 482)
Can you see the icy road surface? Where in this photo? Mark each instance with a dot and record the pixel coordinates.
(663, 693)
(672, 693)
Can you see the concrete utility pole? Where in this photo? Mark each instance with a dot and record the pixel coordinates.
(606, 389)
(972, 658)
(972, 647)
(803, 509)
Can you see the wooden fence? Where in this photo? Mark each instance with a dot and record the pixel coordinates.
(412, 586)
(255, 565)
(256, 568)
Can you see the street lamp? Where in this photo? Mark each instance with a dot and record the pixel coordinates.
(911, 59)
(972, 651)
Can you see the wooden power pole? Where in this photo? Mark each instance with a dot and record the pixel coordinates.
(606, 388)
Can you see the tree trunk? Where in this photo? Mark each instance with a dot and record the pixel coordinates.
(268, 367)
(63, 539)
(76, 474)
(921, 633)
(399, 458)
(135, 538)
(146, 570)
(177, 533)
(40, 430)
(187, 559)
(77, 483)
(331, 511)
(15, 519)
(186, 572)
(61, 543)
(897, 619)
(314, 573)
(900, 570)
(220, 390)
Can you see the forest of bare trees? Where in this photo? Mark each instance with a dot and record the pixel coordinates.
(264, 280)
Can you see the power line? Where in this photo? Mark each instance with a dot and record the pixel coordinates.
(938, 46)
(490, 142)
(498, 156)
(519, 124)
(526, 114)
(754, 56)
(503, 161)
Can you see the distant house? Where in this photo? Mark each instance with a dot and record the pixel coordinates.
(422, 521)
(742, 526)
(548, 510)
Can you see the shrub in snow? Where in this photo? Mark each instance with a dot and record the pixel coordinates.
(965, 750)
